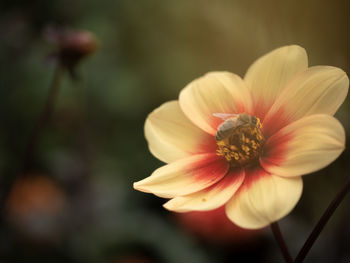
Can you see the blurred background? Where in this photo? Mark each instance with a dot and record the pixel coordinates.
(75, 202)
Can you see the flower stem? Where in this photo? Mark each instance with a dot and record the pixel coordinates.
(322, 222)
(39, 127)
(43, 119)
(281, 243)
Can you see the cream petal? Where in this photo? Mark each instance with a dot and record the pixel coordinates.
(304, 146)
(268, 75)
(264, 199)
(215, 92)
(184, 176)
(318, 90)
(172, 136)
(209, 198)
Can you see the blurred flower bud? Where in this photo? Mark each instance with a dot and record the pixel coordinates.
(214, 226)
(35, 207)
(78, 43)
(72, 46)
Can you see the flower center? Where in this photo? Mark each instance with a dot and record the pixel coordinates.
(239, 139)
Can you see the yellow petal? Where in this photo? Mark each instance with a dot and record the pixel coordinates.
(172, 136)
(184, 176)
(215, 92)
(304, 146)
(268, 76)
(209, 198)
(266, 199)
(318, 90)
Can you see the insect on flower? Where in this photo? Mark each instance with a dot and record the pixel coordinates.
(233, 122)
(245, 143)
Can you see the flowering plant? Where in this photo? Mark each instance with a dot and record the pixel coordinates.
(245, 143)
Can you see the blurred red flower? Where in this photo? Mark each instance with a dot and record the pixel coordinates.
(214, 226)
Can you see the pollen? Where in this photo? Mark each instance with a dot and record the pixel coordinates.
(240, 140)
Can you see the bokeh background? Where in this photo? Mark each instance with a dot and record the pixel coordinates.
(76, 202)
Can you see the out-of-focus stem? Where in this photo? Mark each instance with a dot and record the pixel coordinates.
(322, 222)
(39, 127)
(281, 243)
(43, 119)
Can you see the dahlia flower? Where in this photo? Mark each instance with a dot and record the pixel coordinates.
(245, 143)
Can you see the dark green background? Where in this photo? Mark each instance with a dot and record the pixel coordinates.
(94, 146)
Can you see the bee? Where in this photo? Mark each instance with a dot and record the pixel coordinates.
(232, 122)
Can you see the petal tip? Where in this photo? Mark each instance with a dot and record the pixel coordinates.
(298, 52)
(140, 187)
(168, 206)
(172, 206)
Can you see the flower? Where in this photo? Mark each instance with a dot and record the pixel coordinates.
(244, 143)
